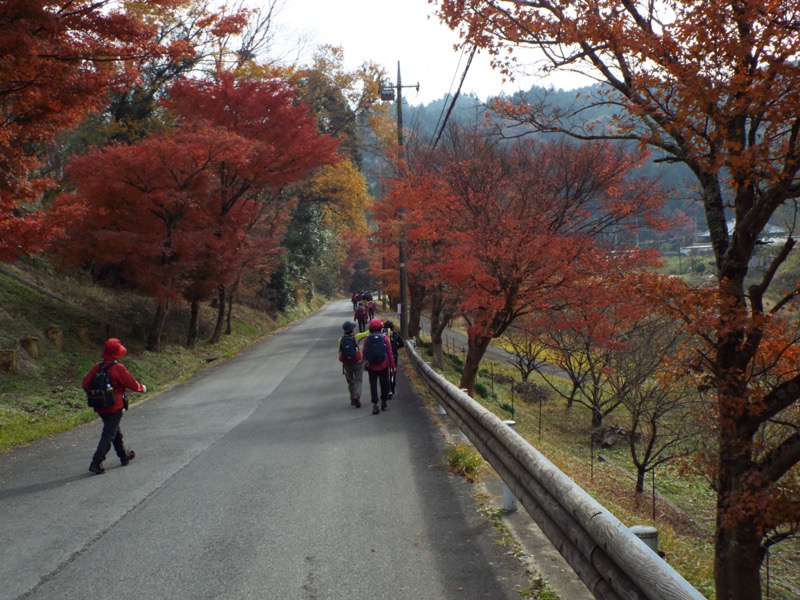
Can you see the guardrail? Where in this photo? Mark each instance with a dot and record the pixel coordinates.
(610, 560)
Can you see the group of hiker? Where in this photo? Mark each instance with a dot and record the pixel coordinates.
(363, 309)
(374, 349)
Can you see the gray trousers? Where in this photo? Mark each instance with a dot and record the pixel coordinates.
(354, 375)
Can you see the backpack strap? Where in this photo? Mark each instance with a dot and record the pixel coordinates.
(106, 366)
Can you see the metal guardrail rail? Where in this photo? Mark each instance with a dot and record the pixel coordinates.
(612, 562)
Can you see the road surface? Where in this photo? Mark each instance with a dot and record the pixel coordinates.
(256, 479)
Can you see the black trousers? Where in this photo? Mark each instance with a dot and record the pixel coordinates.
(383, 378)
(112, 435)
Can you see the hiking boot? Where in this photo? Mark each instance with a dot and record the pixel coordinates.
(357, 402)
(375, 409)
(97, 468)
(384, 405)
(129, 456)
(391, 395)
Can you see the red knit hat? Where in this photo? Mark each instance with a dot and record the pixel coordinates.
(113, 349)
(375, 325)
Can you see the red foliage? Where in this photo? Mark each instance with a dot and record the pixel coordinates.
(287, 144)
(520, 228)
(181, 214)
(150, 209)
(57, 62)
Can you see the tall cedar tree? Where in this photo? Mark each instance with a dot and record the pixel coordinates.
(716, 86)
(58, 61)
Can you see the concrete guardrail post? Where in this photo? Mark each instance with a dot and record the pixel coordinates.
(648, 534)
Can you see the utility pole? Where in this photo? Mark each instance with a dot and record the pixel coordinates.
(402, 243)
(402, 247)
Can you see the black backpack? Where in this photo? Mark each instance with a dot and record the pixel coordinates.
(361, 314)
(100, 393)
(348, 348)
(397, 342)
(375, 348)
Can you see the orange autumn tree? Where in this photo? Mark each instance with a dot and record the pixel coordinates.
(58, 61)
(521, 226)
(406, 204)
(715, 86)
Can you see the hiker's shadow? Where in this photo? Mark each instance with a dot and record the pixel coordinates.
(40, 487)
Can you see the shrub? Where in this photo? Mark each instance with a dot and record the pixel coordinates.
(464, 460)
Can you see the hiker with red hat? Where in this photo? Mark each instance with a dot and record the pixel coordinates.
(121, 380)
(378, 361)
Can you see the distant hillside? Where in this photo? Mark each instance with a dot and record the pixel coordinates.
(425, 121)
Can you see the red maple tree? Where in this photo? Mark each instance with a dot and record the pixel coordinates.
(284, 145)
(58, 60)
(149, 210)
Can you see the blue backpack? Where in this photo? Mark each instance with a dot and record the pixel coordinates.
(375, 348)
(348, 349)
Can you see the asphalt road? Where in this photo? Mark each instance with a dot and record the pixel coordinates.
(256, 479)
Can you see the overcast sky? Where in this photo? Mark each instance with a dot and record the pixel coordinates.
(388, 31)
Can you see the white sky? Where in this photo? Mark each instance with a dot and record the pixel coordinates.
(388, 31)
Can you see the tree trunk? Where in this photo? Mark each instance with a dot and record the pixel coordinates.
(597, 418)
(439, 320)
(437, 327)
(194, 324)
(640, 474)
(220, 316)
(737, 540)
(8, 361)
(417, 293)
(154, 336)
(55, 337)
(229, 317)
(31, 346)
(737, 544)
(476, 348)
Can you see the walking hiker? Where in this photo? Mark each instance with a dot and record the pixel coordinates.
(352, 362)
(360, 315)
(120, 380)
(397, 342)
(378, 361)
(371, 309)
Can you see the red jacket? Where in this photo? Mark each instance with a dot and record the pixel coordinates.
(121, 380)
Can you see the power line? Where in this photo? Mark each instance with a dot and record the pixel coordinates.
(452, 83)
(455, 97)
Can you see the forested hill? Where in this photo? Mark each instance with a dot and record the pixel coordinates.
(423, 123)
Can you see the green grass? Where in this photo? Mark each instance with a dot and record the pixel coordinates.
(465, 460)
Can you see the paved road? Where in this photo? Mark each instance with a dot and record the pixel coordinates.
(255, 479)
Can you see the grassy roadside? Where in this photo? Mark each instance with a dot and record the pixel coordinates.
(45, 397)
(681, 508)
